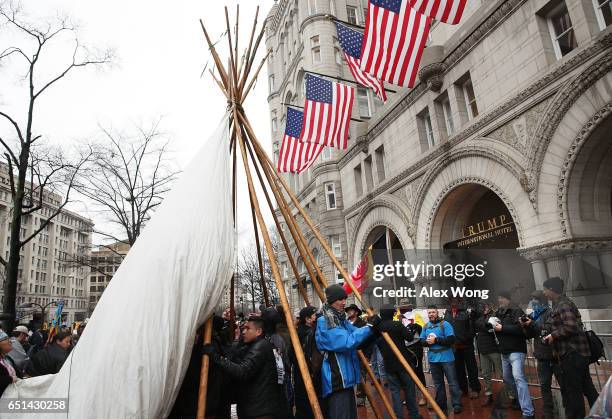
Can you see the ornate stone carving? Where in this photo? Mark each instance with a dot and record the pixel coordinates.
(568, 163)
(529, 182)
(564, 247)
(433, 76)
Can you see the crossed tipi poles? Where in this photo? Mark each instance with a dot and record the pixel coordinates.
(236, 80)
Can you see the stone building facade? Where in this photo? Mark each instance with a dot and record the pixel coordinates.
(509, 121)
(49, 270)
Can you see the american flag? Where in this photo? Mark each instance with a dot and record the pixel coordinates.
(295, 156)
(447, 11)
(327, 112)
(394, 38)
(350, 42)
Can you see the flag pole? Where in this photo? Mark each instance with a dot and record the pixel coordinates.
(343, 79)
(345, 23)
(301, 107)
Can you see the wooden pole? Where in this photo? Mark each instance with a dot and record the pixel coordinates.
(201, 412)
(368, 391)
(379, 388)
(280, 231)
(302, 248)
(341, 269)
(312, 397)
(262, 278)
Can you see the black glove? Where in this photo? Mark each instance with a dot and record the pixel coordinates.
(375, 321)
(208, 349)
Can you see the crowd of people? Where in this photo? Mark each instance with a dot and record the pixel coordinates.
(258, 370)
(29, 352)
(254, 365)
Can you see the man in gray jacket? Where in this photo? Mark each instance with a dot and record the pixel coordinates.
(18, 355)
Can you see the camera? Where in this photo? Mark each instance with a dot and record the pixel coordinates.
(543, 334)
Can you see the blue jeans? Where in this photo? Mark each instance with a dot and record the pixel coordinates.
(514, 376)
(398, 381)
(438, 371)
(378, 364)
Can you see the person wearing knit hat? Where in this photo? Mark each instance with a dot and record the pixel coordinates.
(335, 293)
(8, 375)
(340, 371)
(571, 347)
(507, 294)
(554, 284)
(513, 349)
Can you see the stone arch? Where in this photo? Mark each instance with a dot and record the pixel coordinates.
(585, 196)
(484, 168)
(471, 152)
(576, 92)
(575, 115)
(388, 211)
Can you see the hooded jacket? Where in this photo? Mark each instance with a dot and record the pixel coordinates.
(339, 342)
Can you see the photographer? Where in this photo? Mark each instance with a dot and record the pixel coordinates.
(570, 349)
(488, 349)
(513, 347)
(537, 325)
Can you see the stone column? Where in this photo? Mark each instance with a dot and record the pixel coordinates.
(539, 273)
(605, 261)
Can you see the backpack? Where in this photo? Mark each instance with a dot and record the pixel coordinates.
(595, 345)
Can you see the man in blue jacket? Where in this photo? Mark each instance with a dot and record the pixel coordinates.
(439, 336)
(338, 339)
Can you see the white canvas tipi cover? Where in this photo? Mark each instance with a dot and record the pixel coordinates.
(131, 358)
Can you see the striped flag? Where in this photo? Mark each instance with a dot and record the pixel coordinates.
(350, 42)
(447, 11)
(394, 38)
(327, 112)
(296, 156)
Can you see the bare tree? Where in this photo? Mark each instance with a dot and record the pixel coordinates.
(249, 276)
(25, 165)
(128, 178)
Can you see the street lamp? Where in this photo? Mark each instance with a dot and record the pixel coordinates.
(42, 309)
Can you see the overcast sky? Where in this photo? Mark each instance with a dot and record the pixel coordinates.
(160, 53)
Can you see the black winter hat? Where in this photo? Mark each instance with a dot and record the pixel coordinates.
(334, 293)
(555, 283)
